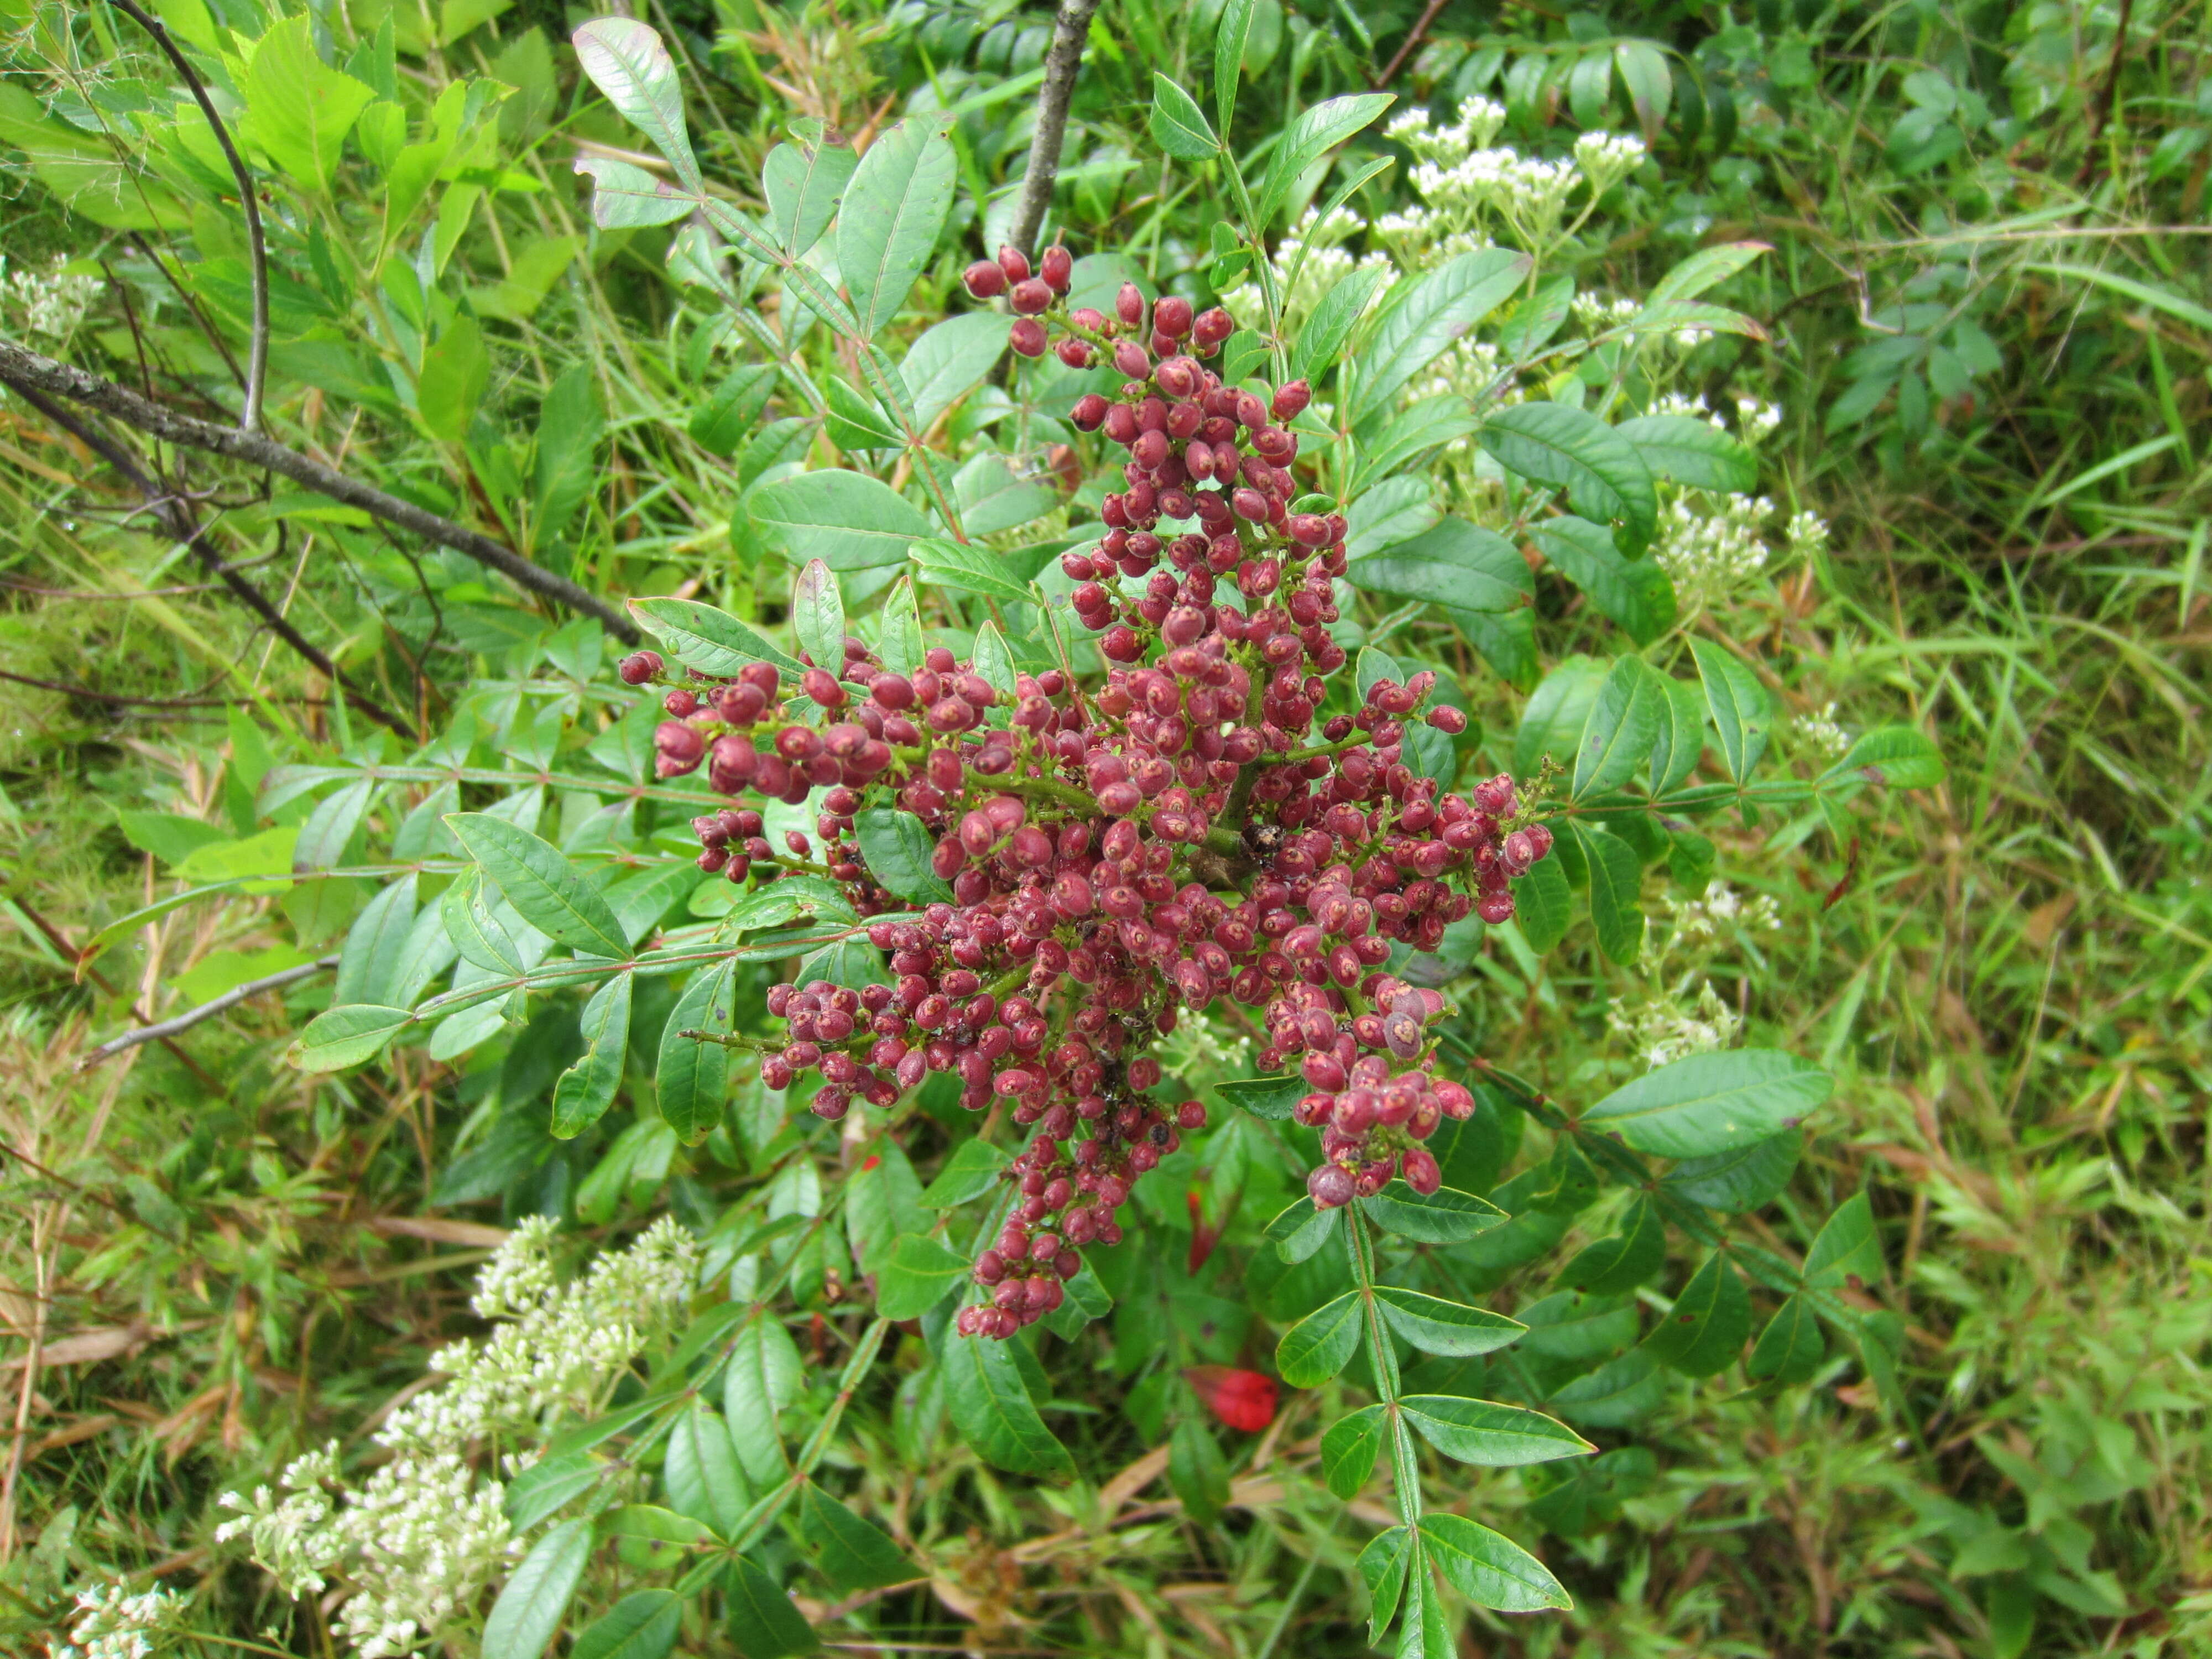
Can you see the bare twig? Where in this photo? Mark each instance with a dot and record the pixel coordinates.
(257, 356)
(1061, 62)
(207, 1010)
(28, 372)
(1414, 39)
(92, 695)
(177, 518)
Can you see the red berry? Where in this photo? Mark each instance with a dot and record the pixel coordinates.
(1014, 264)
(1057, 267)
(984, 280)
(1028, 336)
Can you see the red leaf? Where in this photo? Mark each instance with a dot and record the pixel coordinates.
(1243, 1400)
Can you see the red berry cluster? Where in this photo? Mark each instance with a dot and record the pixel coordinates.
(1171, 833)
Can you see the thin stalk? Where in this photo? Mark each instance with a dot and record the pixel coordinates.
(1061, 62)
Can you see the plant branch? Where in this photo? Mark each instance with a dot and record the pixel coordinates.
(176, 516)
(28, 372)
(257, 356)
(207, 1010)
(1406, 49)
(1061, 62)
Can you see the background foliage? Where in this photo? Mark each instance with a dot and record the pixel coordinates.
(1986, 323)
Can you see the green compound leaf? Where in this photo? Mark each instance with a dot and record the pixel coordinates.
(629, 65)
(1573, 450)
(1486, 1433)
(546, 890)
(712, 642)
(919, 1275)
(692, 1077)
(853, 1553)
(1709, 1103)
(1436, 1326)
(1301, 1230)
(339, 1038)
(1708, 1325)
(1383, 1568)
(1689, 451)
(1490, 1570)
(1349, 1448)
(583, 1093)
(1738, 703)
(1624, 722)
(641, 1626)
(761, 1620)
(1443, 1217)
(531, 1606)
(1791, 1349)
(991, 1409)
(894, 207)
(1316, 131)
(971, 1171)
(846, 520)
(1320, 1344)
(1178, 125)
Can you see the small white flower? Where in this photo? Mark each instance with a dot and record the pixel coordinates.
(1820, 732)
(50, 302)
(110, 1623)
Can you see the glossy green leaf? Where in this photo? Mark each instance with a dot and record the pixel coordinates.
(712, 642)
(1599, 470)
(1846, 1248)
(1702, 269)
(1198, 1474)
(1543, 904)
(972, 568)
(1689, 451)
(1553, 718)
(897, 850)
(643, 1625)
(1177, 125)
(1320, 1346)
(971, 1171)
(1634, 592)
(760, 1617)
(853, 1553)
(633, 69)
(1271, 1098)
(1316, 130)
(949, 360)
(991, 1407)
(1680, 743)
(817, 614)
(894, 207)
(1622, 1260)
(1712, 1103)
(846, 520)
(1442, 1216)
(1349, 1447)
(535, 1598)
(1898, 756)
(1616, 885)
(1383, 1568)
(1335, 315)
(339, 1038)
(1738, 703)
(542, 1489)
(919, 1273)
(627, 198)
(466, 912)
(1455, 565)
(764, 1375)
(299, 109)
(1791, 1350)
(1436, 1326)
(1424, 1631)
(898, 639)
(1618, 1393)
(1489, 1569)
(1616, 742)
(545, 889)
(692, 1077)
(1230, 36)
(804, 184)
(1742, 1177)
(1486, 1433)
(1422, 323)
(700, 1470)
(1706, 1328)
(1301, 1230)
(582, 1093)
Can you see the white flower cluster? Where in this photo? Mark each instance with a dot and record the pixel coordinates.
(1607, 158)
(110, 1623)
(1754, 419)
(1596, 314)
(1710, 545)
(1324, 264)
(1820, 732)
(1699, 921)
(423, 1538)
(1664, 1029)
(49, 302)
